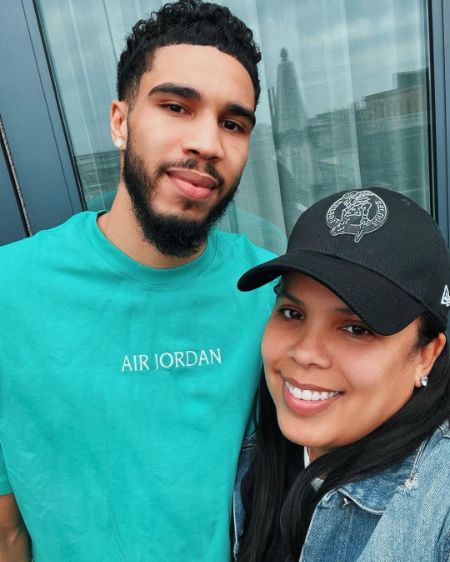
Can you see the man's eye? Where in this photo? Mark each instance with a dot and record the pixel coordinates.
(232, 126)
(174, 107)
(356, 330)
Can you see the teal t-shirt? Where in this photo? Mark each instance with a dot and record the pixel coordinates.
(125, 392)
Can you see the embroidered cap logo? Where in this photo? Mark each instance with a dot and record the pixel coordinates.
(356, 213)
(445, 300)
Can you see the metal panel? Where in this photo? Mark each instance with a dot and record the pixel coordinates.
(440, 66)
(11, 224)
(32, 120)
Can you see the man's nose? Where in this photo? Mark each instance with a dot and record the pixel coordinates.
(204, 139)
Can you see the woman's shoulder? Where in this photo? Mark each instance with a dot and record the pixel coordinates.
(426, 472)
(246, 456)
(245, 461)
(433, 457)
(430, 472)
(425, 495)
(249, 444)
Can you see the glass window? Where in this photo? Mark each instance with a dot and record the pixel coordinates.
(344, 101)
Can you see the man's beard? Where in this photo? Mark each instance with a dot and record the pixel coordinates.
(171, 235)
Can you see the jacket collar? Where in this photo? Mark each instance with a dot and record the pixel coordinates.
(374, 493)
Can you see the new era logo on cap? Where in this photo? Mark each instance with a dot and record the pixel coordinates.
(445, 300)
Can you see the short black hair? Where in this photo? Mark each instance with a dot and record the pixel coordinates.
(191, 22)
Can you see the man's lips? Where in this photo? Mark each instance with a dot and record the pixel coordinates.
(192, 184)
(198, 179)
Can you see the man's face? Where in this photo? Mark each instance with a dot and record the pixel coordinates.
(188, 140)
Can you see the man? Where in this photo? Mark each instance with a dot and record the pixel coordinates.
(128, 359)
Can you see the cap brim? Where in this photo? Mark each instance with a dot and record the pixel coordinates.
(384, 307)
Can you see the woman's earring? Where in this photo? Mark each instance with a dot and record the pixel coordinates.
(118, 143)
(423, 381)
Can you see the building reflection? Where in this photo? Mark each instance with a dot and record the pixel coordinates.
(381, 139)
(292, 142)
(392, 129)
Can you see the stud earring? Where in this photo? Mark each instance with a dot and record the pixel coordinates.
(423, 381)
(118, 143)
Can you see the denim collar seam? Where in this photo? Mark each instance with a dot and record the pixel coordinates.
(360, 504)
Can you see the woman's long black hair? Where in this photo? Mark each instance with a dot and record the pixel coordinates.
(387, 445)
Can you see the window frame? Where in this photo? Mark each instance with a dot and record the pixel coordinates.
(439, 17)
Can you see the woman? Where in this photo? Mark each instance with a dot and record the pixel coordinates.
(351, 455)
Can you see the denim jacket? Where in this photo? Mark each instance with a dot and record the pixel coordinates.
(399, 515)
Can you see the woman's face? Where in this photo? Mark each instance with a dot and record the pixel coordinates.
(332, 380)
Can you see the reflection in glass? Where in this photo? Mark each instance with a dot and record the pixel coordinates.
(344, 101)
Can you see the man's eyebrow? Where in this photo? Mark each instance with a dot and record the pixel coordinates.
(191, 93)
(177, 90)
(241, 111)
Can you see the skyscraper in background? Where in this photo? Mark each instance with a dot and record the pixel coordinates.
(292, 143)
(392, 136)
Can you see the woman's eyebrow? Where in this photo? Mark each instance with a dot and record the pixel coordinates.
(345, 310)
(340, 309)
(287, 295)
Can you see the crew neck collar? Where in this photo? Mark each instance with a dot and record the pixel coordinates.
(124, 265)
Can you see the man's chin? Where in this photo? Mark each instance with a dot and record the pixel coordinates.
(181, 208)
(174, 235)
(185, 215)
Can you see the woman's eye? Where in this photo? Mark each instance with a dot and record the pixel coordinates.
(356, 330)
(290, 314)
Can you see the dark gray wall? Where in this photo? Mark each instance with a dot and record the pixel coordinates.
(33, 127)
(11, 223)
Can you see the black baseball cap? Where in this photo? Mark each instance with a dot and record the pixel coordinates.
(377, 250)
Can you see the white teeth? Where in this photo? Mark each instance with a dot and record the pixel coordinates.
(310, 395)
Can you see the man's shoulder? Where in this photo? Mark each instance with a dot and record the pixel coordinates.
(44, 238)
(42, 251)
(242, 248)
(237, 254)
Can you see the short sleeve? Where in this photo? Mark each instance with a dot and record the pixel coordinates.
(5, 486)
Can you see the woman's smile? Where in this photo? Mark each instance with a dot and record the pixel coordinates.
(307, 399)
(332, 379)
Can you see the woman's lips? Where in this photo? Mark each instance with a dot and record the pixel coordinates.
(308, 400)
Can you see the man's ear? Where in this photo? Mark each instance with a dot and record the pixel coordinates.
(428, 356)
(118, 122)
